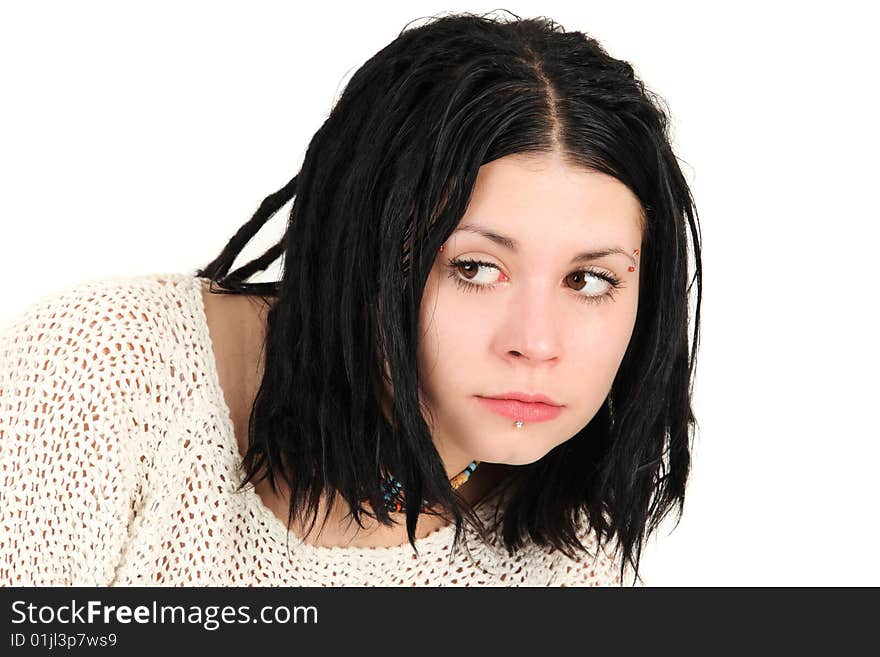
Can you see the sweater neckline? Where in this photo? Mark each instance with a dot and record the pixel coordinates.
(437, 538)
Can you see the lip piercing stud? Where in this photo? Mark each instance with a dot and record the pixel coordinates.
(518, 424)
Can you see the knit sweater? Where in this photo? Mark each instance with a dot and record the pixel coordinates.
(119, 464)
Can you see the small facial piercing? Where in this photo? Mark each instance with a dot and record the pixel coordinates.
(636, 252)
(518, 424)
(442, 246)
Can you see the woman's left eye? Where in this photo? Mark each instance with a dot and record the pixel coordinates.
(601, 284)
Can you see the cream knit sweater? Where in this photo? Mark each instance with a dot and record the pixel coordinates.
(118, 464)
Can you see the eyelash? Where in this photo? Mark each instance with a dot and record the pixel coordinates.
(612, 280)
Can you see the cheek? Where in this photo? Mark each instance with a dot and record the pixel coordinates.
(449, 340)
(598, 350)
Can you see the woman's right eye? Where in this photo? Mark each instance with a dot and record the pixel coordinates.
(464, 272)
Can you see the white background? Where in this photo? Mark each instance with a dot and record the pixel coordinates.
(137, 137)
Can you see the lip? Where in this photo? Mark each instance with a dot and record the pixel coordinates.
(519, 410)
(523, 397)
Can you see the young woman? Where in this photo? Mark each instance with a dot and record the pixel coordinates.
(480, 339)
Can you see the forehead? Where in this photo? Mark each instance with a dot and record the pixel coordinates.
(535, 194)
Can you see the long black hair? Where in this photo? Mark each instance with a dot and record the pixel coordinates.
(384, 182)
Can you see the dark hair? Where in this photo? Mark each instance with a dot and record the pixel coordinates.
(384, 182)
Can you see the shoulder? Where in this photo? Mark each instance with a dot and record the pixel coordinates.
(91, 374)
(101, 306)
(596, 567)
(83, 385)
(94, 344)
(96, 320)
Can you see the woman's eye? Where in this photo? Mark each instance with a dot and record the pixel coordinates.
(470, 270)
(591, 286)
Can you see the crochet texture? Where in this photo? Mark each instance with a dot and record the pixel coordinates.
(119, 464)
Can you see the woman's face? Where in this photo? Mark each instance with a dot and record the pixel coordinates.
(535, 321)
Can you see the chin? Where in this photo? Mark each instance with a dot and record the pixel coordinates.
(519, 457)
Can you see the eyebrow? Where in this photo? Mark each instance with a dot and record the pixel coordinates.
(512, 245)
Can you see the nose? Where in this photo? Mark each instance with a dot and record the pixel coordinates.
(532, 328)
(537, 353)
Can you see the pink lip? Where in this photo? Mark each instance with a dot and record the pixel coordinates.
(523, 397)
(518, 410)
